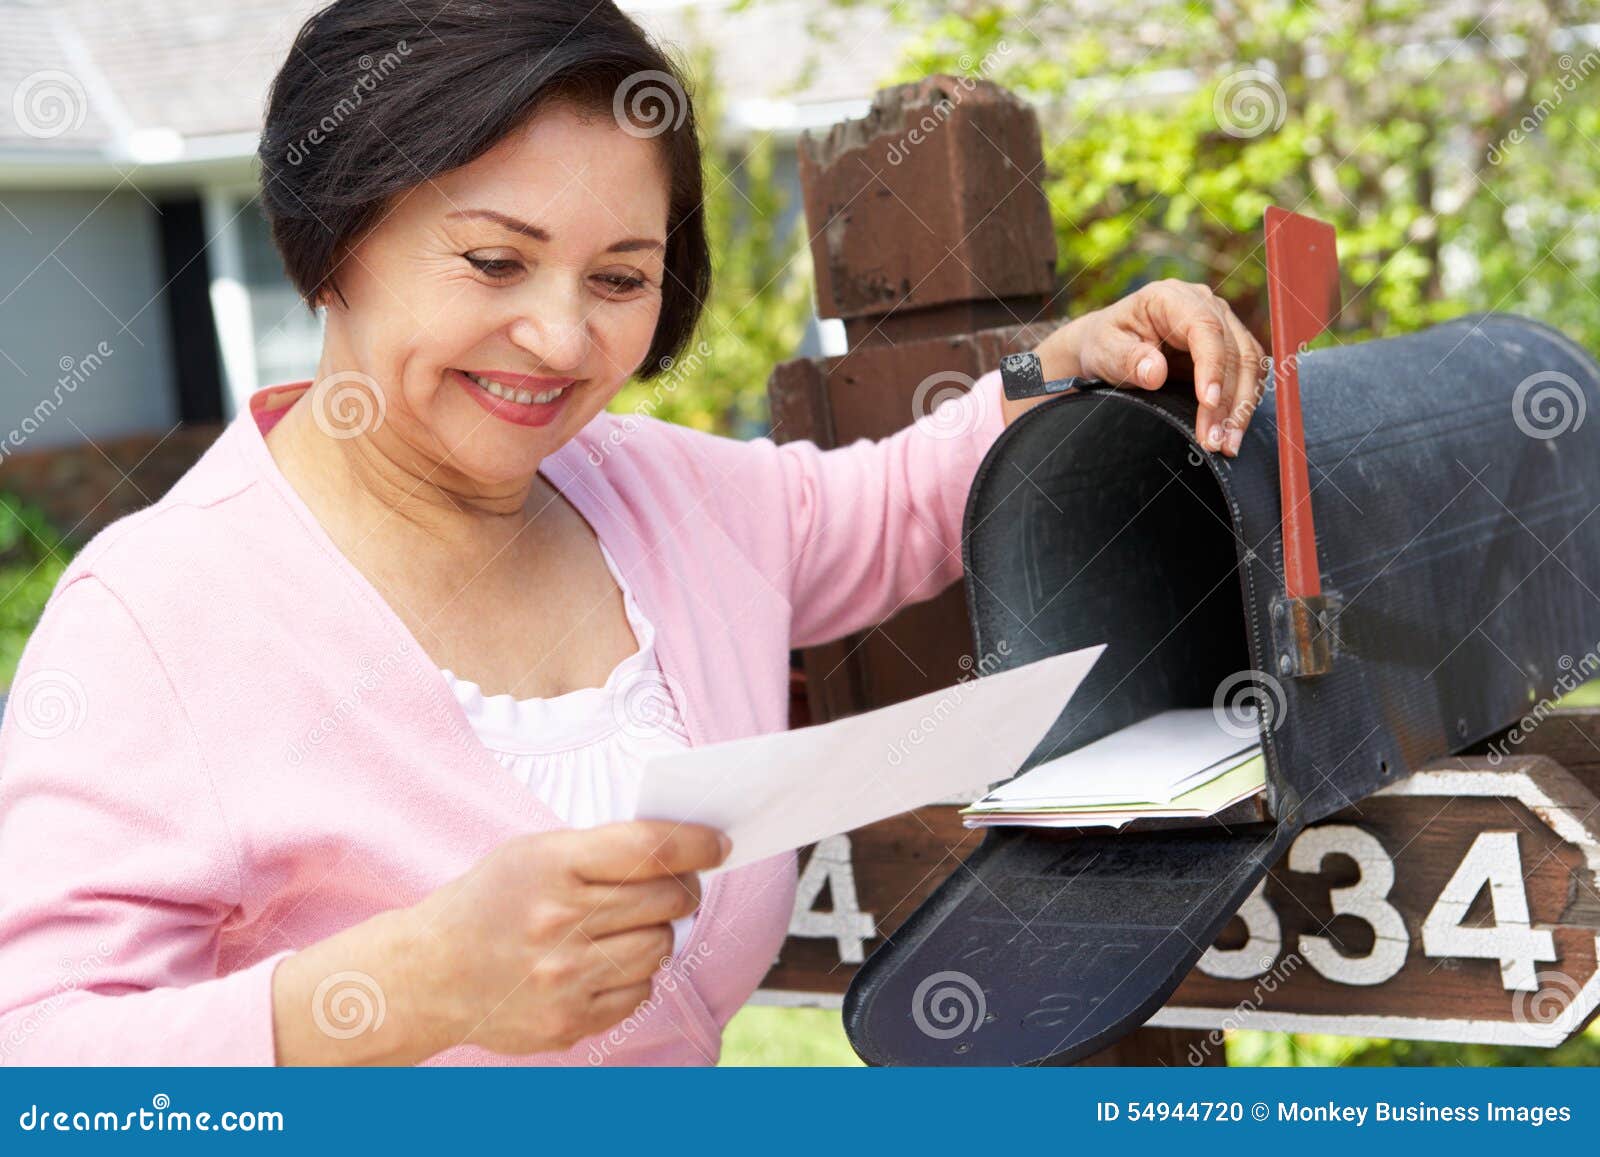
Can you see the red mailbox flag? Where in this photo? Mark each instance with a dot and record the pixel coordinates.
(1302, 299)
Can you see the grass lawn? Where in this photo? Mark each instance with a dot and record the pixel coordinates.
(768, 1035)
(762, 1034)
(1586, 695)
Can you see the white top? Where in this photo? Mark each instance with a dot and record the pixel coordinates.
(583, 752)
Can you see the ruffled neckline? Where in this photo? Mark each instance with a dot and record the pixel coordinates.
(578, 717)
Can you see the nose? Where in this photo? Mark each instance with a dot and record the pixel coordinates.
(554, 328)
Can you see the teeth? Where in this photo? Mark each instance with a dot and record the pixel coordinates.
(522, 396)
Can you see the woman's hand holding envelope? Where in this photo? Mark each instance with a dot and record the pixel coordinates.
(551, 938)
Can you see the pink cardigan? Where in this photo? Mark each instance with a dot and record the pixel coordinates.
(222, 744)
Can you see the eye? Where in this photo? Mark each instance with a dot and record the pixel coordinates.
(621, 283)
(496, 269)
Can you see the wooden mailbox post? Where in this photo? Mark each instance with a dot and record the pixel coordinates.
(1461, 904)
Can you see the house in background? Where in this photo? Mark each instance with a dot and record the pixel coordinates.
(141, 299)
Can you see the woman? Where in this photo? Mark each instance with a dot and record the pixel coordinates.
(328, 756)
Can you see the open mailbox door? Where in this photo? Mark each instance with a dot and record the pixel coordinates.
(1453, 564)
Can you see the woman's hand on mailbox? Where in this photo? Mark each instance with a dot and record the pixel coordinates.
(1131, 342)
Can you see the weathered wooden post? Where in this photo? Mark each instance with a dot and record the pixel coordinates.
(932, 241)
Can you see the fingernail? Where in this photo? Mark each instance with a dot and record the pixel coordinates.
(1147, 369)
(1214, 437)
(1234, 439)
(1213, 394)
(725, 843)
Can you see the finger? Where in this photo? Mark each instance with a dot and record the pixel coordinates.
(615, 1004)
(618, 907)
(1232, 369)
(627, 957)
(642, 850)
(1193, 323)
(1247, 394)
(1250, 386)
(1120, 356)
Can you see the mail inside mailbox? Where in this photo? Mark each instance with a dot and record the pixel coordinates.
(1120, 497)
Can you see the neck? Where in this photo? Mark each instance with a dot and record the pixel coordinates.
(377, 483)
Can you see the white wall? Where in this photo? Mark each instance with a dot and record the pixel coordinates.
(78, 269)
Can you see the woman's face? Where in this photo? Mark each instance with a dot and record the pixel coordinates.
(501, 306)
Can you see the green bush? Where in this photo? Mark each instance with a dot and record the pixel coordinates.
(1303, 1049)
(761, 289)
(32, 557)
(1459, 177)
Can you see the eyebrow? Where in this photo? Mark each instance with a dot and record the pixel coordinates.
(627, 245)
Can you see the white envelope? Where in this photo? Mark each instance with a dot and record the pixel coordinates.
(771, 793)
(1152, 761)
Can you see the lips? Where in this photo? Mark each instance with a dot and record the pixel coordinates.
(521, 388)
(516, 398)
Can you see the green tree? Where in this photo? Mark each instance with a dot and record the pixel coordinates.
(1456, 149)
(761, 289)
(32, 557)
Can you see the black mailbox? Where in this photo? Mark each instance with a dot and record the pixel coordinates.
(1455, 483)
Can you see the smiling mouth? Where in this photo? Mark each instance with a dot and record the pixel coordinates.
(509, 394)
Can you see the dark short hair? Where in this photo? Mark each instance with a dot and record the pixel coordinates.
(376, 97)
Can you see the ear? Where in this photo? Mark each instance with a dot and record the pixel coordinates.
(325, 297)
